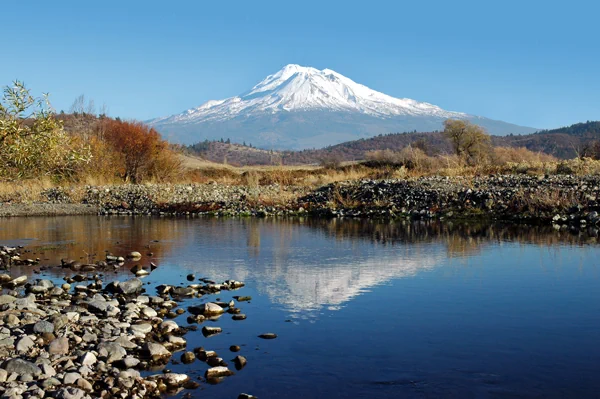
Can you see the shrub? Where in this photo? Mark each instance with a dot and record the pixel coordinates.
(383, 157)
(32, 141)
(504, 155)
(331, 161)
(411, 158)
(142, 152)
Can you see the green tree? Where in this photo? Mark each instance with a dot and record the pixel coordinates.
(469, 141)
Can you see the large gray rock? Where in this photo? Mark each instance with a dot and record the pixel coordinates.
(183, 291)
(125, 342)
(141, 329)
(174, 379)
(42, 327)
(70, 378)
(111, 351)
(148, 312)
(85, 385)
(212, 309)
(156, 351)
(60, 346)
(24, 345)
(88, 359)
(102, 307)
(26, 302)
(18, 281)
(45, 283)
(130, 287)
(48, 370)
(22, 367)
(167, 326)
(130, 362)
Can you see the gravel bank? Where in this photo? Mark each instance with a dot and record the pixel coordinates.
(546, 199)
(86, 338)
(558, 199)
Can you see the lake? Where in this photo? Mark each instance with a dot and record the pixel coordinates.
(366, 309)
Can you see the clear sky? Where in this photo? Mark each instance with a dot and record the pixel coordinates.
(534, 63)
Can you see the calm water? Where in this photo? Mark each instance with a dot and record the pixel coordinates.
(366, 309)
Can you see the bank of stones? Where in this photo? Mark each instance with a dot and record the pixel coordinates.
(558, 199)
(92, 340)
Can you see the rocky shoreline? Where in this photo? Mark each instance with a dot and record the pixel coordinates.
(87, 338)
(556, 199)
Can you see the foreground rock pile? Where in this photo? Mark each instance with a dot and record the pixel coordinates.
(87, 339)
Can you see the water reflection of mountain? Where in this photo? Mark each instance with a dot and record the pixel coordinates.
(302, 264)
(332, 285)
(308, 264)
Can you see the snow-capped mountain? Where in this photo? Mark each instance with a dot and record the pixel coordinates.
(303, 107)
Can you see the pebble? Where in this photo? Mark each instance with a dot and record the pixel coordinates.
(216, 372)
(212, 309)
(188, 357)
(240, 362)
(206, 330)
(268, 336)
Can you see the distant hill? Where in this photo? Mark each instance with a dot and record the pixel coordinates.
(565, 143)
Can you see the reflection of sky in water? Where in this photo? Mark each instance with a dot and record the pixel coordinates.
(378, 309)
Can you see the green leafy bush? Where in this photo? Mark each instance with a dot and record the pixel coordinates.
(32, 141)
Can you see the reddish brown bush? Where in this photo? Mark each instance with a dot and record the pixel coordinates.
(143, 154)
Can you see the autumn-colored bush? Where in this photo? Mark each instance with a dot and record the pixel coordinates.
(142, 153)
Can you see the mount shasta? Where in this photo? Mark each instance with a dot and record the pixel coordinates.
(301, 107)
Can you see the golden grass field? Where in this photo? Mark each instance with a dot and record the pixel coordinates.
(195, 170)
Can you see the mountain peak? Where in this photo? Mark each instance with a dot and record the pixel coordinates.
(296, 87)
(296, 97)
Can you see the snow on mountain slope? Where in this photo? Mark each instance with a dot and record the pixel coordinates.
(297, 88)
(298, 104)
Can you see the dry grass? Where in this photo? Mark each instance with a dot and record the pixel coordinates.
(409, 163)
(29, 191)
(25, 191)
(544, 201)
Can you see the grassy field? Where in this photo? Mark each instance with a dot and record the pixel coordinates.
(195, 170)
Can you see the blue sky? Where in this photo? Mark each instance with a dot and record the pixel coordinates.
(531, 62)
